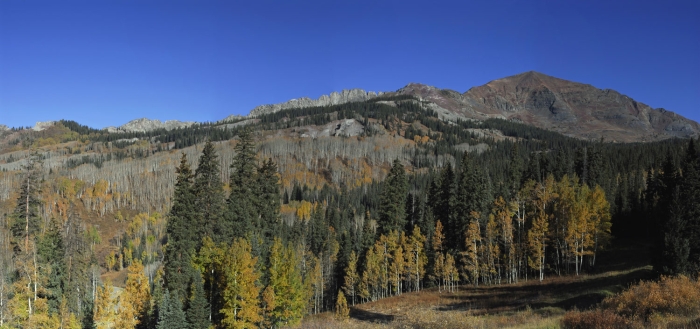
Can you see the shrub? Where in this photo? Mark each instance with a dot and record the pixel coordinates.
(669, 296)
(596, 319)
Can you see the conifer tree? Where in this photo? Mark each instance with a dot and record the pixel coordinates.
(392, 201)
(51, 251)
(181, 238)
(25, 220)
(241, 217)
(197, 313)
(170, 314)
(209, 195)
(472, 195)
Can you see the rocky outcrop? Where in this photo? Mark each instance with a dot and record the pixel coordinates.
(144, 124)
(335, 98)
(4, 127)
(39, 126)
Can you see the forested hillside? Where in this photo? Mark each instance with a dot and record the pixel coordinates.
(259, 222)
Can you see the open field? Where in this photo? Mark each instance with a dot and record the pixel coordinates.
(526, 304)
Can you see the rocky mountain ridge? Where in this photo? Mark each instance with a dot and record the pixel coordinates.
(335, 98)
(145, 124)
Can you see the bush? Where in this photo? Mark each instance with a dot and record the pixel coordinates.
(669, 296)
(596, 319)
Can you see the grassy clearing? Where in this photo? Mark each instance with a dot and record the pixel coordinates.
(526, 304)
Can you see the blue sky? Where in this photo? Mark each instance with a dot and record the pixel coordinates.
(107, 62)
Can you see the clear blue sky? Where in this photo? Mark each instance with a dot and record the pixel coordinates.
(107, 62)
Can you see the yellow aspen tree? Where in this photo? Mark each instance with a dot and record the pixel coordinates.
(351, 277)
(241, 308)
(450, 273)
(471, 253)
(438, 271)
(492, 251)
(104, 307)
(291, 297)
(503, 213)
(135, 299)
(537, 235)
(419, 259)
(600, 212)
(342, 312)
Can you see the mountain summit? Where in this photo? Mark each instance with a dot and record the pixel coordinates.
(571, 108)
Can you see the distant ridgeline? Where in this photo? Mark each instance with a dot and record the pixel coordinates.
(263, 220)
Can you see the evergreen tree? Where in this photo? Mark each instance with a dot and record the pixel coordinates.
(197, 313)
(181, 238)
(51, 251)
(242, 217)
(472, 196)
(392, 201)
(209, 195)
(170, 314)
(25, 220)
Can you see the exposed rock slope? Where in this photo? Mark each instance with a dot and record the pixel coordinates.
(345, 96)
(144, 124)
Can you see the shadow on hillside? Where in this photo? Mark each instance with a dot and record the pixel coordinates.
(364, 315)
(582, 294)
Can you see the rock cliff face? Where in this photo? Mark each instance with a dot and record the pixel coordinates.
(345, 96)
(39, 126)
(574, 109)
(144, 124)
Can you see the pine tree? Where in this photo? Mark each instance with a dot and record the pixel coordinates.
(392, 201)
(181, 238)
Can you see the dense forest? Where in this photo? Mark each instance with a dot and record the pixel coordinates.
(249, 229)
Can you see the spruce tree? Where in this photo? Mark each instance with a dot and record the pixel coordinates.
(241, 217)
(25, 220)
(197, 306)
(170, 314)
(209, 195)
(472, 196)
(181, 236)
(392, 201)
(690, 194)
(53, 267)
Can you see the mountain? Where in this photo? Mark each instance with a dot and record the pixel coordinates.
(571, 108)
(145, 124)
(3, 127)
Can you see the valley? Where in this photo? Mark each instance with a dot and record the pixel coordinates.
(527, 198)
